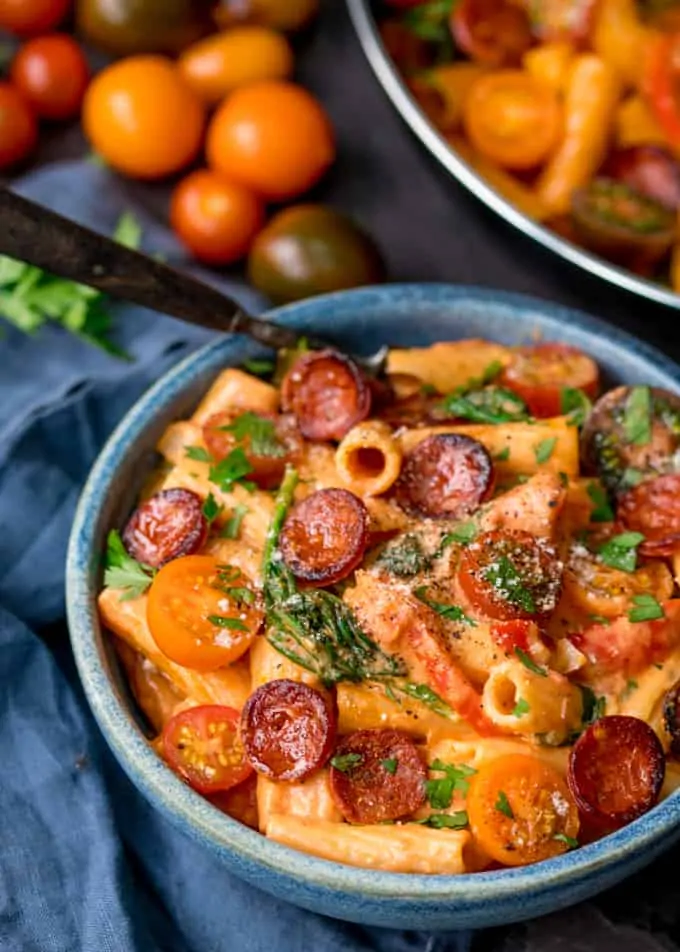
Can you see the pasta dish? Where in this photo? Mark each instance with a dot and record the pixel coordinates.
(425, 623)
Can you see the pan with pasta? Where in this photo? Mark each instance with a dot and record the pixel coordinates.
(569, 109)
(424, 624)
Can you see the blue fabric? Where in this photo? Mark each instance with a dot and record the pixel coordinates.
(85, 863)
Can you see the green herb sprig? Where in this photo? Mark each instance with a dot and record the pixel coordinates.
(122, 571)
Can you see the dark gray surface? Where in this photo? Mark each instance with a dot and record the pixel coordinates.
(430, 229)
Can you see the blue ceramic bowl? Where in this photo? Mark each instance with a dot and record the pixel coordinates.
(400, 316)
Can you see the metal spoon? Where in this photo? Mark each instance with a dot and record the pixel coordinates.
(38, 236)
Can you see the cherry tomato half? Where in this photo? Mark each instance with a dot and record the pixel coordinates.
(202, 614)
(492, 32)
(52, 73)
(18, 127)
(202, 745)
(512, 119)
(539, 374)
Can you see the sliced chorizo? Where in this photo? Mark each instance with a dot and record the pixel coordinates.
(327, 393)
(446, 476)
(288, 729)
(377, 775)
(653, 508)
(167, 525)
(325, 536)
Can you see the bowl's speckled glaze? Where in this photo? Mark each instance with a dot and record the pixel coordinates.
(401, 315)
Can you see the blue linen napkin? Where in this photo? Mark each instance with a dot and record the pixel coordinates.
(85, 862)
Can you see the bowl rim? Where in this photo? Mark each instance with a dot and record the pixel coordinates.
(194, 815)
(403, 101)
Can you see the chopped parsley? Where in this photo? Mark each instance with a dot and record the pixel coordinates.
(631, 685)
(428, 390)
(446, 821)
(502, 804)
(449, 612)
(647, 608)
(405, 558)
(569, 841)
(503, 455)
(592, 706)
(390, 765)
(544, 450)
(603, 511)
(230, 470)
(507, 582)
(198, 453)
(430, 21)
(224, 621)
(620, 552)
(212, 509)
(564, 479)
(631, 477)
(575, 404)
(260, 432)
(259, 367)
(521, 707)
(637, 417)
(232, 527)
(122, 571)
(346, 762)
(463, 533)
(529, 662)
(600, 619)
(439, 792)
(424, 694)
(490, 405)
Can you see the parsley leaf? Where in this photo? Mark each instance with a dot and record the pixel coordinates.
(212, 509)
(449, 612)
(405, 558)
(390, 765)
(575, 404)
(425, 694)
(620, 551)
(503, 455)
(124, 572)
(491, 405)
(631, 685)
(232, 526)
(544, 450)
(446, 821)
(198, 453)
(259, 367)
(232, 469)
(260, 431)
(345, 762)
(570, 841)
(503, 805)
(603, 511)
(529, 663)
(637, 417)
(631, 477)
(224, 621)
(507, 581)
(521, 708)
(429, 21)
(440, 791)
(647, 608)
(593, 707)
(463, 533)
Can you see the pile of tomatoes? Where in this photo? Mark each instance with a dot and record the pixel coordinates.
(227, 96)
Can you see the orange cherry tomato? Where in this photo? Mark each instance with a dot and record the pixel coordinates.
(142, 118)
(521, 810)
(202, 745)
(540, 373)
(18, 126)
(512, 119)
(273, 137)
(52, 73)
(201, 613)
(216, 219)
(27, 17)
(660, 85)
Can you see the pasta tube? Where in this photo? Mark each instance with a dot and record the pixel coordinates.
(236, 390)
(369, 458)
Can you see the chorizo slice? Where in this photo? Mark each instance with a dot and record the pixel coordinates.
(167, 525)
(327, 393)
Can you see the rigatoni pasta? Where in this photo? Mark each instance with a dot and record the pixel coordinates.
(393, 624)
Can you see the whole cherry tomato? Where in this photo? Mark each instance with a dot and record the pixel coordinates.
(18, 127)
(52, 73)
(273, 137)
(27, 17)
(142, 118)
(215, 218)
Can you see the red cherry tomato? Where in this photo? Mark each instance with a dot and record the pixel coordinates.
(616, 770)
(167, 525)
(447, 475)
(27, 17)
(288, 729)
(268, 441)
(240, 802)
(327, 393)
(653, 508)
(512, 634)
(509, 575)
(52, 73)
(660, 82)
(202, 745)
(540, 373)
(325, 536)
(18, 127)
(492, 32)
(377, 775)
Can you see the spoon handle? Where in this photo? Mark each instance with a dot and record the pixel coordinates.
(40, 237)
